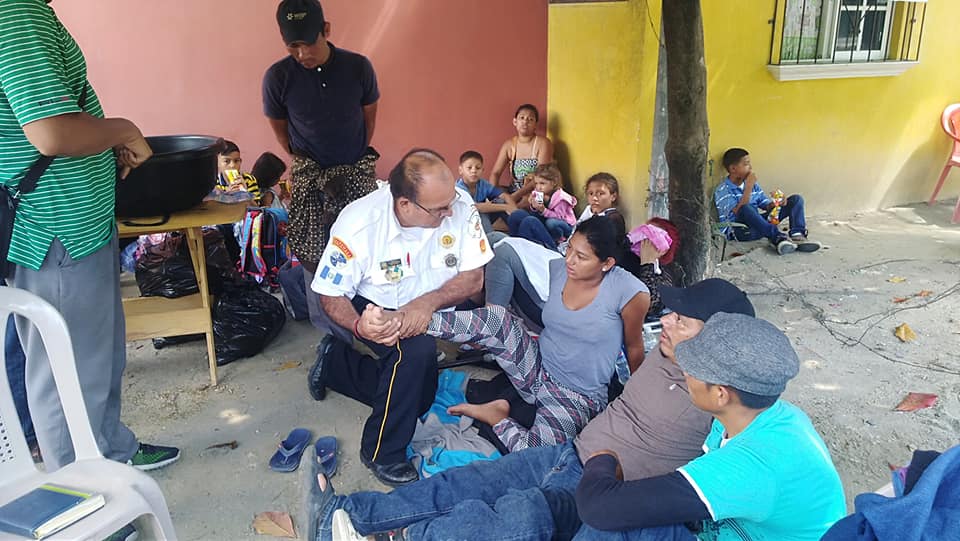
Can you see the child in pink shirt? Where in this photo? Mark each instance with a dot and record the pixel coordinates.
(552, 202)
(550, 216)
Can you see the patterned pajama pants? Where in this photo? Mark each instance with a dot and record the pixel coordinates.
(317, 197)
(561, 412)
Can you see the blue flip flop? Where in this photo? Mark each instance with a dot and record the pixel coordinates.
(287, 457)
(326, 449)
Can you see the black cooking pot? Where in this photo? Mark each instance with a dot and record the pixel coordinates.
(181, 172)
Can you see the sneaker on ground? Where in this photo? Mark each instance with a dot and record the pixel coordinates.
(807, 245)
(784, 246)
(127, 533)
(151, 457)
(343, 530)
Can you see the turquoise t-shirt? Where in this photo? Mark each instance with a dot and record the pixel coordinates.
(773, 481)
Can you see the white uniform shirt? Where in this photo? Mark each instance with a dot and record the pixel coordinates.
(372, 255)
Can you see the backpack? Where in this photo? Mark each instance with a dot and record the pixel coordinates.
(264, 244)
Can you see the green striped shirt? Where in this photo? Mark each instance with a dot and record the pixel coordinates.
(42, 73)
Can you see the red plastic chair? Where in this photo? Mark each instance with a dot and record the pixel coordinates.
(951, 124)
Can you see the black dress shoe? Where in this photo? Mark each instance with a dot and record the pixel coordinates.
(393, 475)
(316, 381)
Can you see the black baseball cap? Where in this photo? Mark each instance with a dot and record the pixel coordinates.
(300, 20)
(706, 298)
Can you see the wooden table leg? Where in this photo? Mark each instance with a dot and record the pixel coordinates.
(198, 256)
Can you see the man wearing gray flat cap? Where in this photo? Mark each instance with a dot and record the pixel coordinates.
(765, 472)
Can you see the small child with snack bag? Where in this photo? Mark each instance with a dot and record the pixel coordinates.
(550, 205)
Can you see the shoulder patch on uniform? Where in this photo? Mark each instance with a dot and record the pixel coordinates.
(338, 258)
(342, 246)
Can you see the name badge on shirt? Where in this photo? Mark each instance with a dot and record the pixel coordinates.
(393, 270)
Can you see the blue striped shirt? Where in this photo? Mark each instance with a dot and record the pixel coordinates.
(728, 195)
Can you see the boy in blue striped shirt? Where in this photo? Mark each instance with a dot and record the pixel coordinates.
(740, 199)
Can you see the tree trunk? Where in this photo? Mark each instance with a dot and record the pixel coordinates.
(686, 148)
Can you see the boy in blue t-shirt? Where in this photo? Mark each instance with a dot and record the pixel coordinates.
(489, 199)
(765, 473)
(740, 199)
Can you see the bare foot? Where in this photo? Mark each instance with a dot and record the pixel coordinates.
(490, 413)
(322, 482)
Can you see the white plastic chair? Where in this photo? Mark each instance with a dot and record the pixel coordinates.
(131, 495)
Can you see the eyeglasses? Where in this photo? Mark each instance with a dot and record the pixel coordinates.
(440, 212)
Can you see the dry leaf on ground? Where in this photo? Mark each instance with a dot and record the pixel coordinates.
(275, 523)
(916, 401)
(898, 300)
(288, 365)
(925, 293)
(905, 333)
(896, 279)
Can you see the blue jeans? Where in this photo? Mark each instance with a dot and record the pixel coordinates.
(515, 497)
(558, 229)
(505, 279)
(676, 532)
(16, 377)
(530, 226)
(759, 227)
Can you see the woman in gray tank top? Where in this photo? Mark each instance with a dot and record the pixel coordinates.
(594, 308)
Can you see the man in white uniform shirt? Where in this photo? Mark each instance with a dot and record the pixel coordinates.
(415, 246)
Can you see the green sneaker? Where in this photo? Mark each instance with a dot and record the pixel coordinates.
(151, 457)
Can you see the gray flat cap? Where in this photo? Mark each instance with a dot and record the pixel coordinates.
(743, 352)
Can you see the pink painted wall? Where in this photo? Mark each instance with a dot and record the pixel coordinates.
(451, 73)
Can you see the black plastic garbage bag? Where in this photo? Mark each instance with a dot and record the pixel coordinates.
(245, 320)
(165, 269)
(165, 273)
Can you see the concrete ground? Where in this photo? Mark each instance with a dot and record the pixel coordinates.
(836, 305)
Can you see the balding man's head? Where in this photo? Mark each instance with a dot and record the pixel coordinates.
(423, 189)
(406, 176)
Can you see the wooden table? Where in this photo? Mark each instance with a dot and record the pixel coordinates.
(153, 317)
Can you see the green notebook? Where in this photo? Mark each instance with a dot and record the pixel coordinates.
(46, 510)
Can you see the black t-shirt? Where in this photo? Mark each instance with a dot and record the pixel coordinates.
(324, 105)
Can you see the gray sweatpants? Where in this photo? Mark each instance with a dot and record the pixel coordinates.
(86, 292)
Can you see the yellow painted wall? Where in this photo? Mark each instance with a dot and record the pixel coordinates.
(602, 67)
(846, 144)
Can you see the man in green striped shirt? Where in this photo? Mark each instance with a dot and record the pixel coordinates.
(64, 243)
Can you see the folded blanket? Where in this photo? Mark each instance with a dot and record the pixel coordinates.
(442, 441)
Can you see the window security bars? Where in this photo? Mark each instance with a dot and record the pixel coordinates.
(846, 31)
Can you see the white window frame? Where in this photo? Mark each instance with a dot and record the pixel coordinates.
(830, 27)
(831, 63)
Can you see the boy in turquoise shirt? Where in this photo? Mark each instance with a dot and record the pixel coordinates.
(765, 473)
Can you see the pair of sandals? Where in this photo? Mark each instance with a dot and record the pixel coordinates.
(290, 450)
